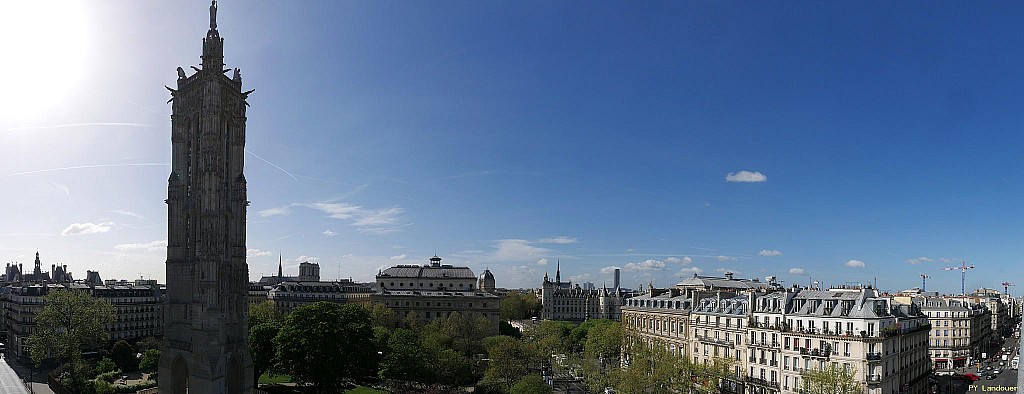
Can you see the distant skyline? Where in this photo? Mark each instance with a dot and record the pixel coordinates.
(839, 143)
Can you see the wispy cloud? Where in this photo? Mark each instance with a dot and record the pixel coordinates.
(610, 269)
(725, 258)
(470, 174)
(646, 265)
(372, 221)
(329, 233)
(689, 271)
(253, 252)
(76, 125)
(769, 252)
(855, 264)
(745, 176)
(685, 260)
(729, 270)
(542, 262)
(62, 188)
(91, 166)
(271, 164)
(797, 271)
(517, 250)
(87, 228)
(154, 246)
(126, 212)
(558, 240)
(919, 260)
(275, 211)
(399, 257)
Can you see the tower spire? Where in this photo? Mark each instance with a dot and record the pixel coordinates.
(213, 15)
(280, 272)
(558, 271)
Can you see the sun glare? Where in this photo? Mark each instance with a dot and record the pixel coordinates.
(43, 47)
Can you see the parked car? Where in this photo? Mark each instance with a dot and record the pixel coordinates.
(990, 377)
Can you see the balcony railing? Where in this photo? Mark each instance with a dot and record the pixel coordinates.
(762, 382)
(815, 352)
(874, 356)
(874, 379)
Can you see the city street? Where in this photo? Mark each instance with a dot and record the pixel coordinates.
(10, 382)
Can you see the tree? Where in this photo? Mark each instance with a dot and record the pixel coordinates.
(531, 384)
(603, 340)
(326, 344)
(516, 306)
(403, 358)
(150, 360)
(70, 320)
(265, 321)
(650, 368)
(383, 316)
(105, 365)
(509, 361)
(833, 379)
(265, 312)
(123, 355)
(552, 337)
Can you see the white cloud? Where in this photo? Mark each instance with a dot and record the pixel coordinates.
(855, 264)
(87, 228)
(542, 262)
(919, 260)
(797, 271)
(689, 271)
(517, 250)
(275, 211)
(725, 258)
(609, 270)
(646, 265)
(685, 260)
(373, 221)
(329, 233)
(558, 240)
(253, 252)
(309, 259)
(148, 247)
(580, 278)
(126, 212)
(399, 257)
(769, 252)
(746, 176)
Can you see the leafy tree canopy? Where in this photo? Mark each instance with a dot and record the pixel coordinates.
(70, 320)
(326, 344)
(833, 379)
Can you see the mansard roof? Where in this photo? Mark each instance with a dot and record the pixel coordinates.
(711, 282)
(422, 271)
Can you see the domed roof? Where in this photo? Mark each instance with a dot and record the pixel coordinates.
(487, 275)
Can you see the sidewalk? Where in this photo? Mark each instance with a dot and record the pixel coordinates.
(20, 372)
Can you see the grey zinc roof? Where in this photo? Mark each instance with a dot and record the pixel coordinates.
(708, 282)
(416, 271)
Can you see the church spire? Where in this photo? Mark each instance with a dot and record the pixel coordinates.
(213, 15)
(213, 45)
(558, 271)
(280, 272)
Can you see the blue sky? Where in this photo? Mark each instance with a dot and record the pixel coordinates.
(883, 140)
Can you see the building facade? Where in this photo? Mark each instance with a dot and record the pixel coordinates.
(571, 302)
(772, 336)
(436, 290)
(290, 295)
(138, 310)
(205, 347)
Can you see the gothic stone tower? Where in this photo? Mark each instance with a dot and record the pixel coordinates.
(205, 349)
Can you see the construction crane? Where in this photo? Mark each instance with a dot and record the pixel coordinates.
(963, 275)
(1006, 287)
(924, 279)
